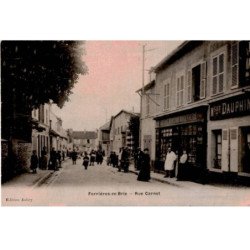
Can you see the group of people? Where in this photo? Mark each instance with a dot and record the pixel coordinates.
(171, 162)
(120, 160)
(54, 162)
(142, 163)
(88, 159)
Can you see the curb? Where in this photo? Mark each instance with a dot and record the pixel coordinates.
(42, 180)
(157, 179)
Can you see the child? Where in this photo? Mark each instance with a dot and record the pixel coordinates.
(85, 161)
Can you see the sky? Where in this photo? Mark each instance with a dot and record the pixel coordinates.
(114, 75)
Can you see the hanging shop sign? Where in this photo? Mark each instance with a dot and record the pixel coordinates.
(230, 107)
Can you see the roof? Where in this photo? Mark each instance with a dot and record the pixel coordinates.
(147, 86)
(106, 126)
(177, 53)
(84, 135)
(127, 112)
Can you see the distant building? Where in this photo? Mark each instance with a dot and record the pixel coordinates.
(84, 140)
(120, 136)
(104, 137)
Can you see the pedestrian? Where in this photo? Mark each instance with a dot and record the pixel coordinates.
(120, 161)
(74, 156)
(53, 160)
(34, 162)
(59, 158)
(182, 168)
(63, 155)
(44, 159)
(138, 158)
(125, 159)
(144, 174)
(85, 161)
(115, 160)
(169, 163)
(92, 158)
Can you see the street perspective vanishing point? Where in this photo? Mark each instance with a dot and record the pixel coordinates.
(125, 123)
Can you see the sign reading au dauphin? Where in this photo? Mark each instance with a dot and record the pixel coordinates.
(230, 107)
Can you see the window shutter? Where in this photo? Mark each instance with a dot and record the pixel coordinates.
(235, 64)
(203, 80)
(165, 95)
(168, 96)
(234, 149)
(177, 92)
(224, 155)
(215, 66)
(189, 86)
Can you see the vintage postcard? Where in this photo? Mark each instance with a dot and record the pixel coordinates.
(125, 123)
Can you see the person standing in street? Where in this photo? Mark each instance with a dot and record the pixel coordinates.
(74, 157)
(34, 162)
(144, 174)
(120, 161)
(169, 163)
(85, 161)
(59, 158)
(44, 159)
(138, 159)
(53, 159)
(182, 168)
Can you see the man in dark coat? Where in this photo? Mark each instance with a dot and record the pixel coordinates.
(34, 162)
(125, 159)
(144, 174)
(53, 159)
(74, 157)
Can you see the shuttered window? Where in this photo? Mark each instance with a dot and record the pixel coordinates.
(147, 105)
(235, 64)
(166, 97)
(203, 80)
(180, 90)
(218, 73)
(189, 86)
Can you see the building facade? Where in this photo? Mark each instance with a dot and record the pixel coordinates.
(104, 138)
(120, 136)
(41, 128)
(84, 141)
(202, 105)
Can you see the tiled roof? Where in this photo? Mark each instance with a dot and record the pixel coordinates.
(106, 126)
(84, 135)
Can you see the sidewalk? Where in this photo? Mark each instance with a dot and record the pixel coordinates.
(160, 178)
(30, 179)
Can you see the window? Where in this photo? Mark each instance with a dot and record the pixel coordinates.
(244, 63)
(47, 117)
(235, 64)
(218, 73)
(166, 97)
(189, 86)
(217, 148)
(41, 113)
(180, 90)
(147, 104)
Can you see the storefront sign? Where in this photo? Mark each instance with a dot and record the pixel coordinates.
(231, 107)
(181, 119)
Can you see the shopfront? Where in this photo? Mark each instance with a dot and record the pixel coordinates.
(229, 135)
(185, 130)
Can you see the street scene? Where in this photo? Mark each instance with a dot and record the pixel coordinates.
(125, 123)
(105, 185)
